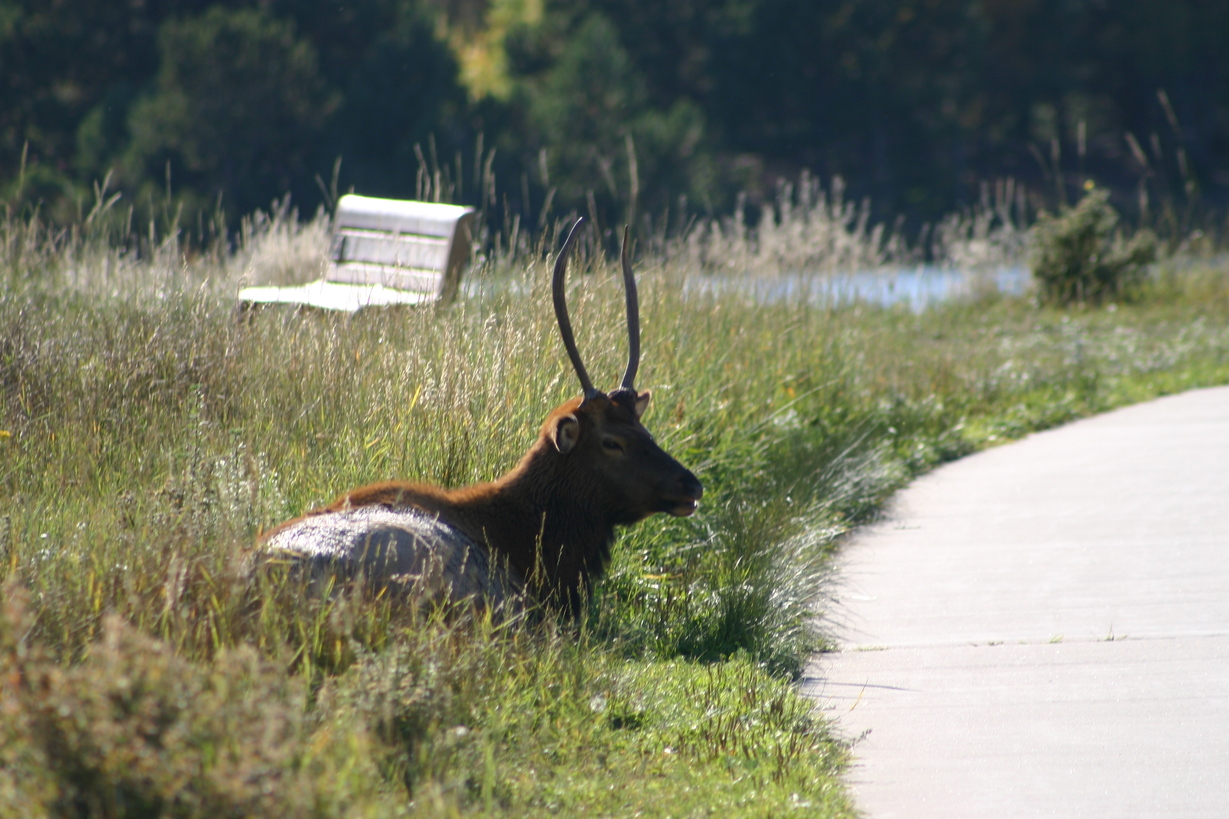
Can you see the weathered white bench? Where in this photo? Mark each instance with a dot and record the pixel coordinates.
(384, 252)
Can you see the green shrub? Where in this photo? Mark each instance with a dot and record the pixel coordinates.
(1080, 255)
(136, 730)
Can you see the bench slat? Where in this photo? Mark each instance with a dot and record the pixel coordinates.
(391, 249)
(398, 216)
(428, 282)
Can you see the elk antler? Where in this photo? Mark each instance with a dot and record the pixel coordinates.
(565, 325)
(561, 311)
(633, 318)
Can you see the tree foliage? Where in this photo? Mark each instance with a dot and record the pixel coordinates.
(237, 101)
(620, 102)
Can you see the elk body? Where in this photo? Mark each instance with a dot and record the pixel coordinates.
(545, 528)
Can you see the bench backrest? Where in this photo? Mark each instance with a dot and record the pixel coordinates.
(415, 246)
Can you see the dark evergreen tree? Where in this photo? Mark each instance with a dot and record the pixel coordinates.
(914, 102)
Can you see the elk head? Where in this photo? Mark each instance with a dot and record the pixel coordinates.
(623, 465)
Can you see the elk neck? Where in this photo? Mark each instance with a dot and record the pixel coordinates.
(536, 519)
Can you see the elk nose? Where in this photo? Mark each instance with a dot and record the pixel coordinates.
(689, 492)
(690, 485)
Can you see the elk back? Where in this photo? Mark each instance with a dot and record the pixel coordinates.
(407, 550)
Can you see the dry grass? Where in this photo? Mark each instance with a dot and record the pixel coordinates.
(146, 437)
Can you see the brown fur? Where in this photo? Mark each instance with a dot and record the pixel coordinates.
(552, 517)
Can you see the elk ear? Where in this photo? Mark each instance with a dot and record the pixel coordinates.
(565, 433)
(642, 403)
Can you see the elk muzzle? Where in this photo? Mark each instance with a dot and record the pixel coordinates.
(684, 499)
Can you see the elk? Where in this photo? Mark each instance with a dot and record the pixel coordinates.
(544, 529)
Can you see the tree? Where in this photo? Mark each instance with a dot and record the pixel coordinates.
(591, 112)
(238, 105)
(400, 93)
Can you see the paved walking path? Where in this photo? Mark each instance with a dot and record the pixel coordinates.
(1042, 629)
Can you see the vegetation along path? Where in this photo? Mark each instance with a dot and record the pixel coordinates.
(1043, 628)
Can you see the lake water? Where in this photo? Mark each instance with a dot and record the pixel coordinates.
(917, 287)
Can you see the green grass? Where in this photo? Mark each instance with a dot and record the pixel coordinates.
(146, 437)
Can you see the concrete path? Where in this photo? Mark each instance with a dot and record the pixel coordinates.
(1042, 629)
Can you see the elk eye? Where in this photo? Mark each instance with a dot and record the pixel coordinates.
(611, 445)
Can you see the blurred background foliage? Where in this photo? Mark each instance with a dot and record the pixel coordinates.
(610, 106)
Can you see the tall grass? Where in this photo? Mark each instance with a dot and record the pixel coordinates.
(146, 437)
(814, 230)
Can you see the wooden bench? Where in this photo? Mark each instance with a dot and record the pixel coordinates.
(384, 252)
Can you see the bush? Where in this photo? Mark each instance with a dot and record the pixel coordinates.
(135, 730)
(1080, 256)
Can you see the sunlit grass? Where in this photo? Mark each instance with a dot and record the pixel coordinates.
(147, 436)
